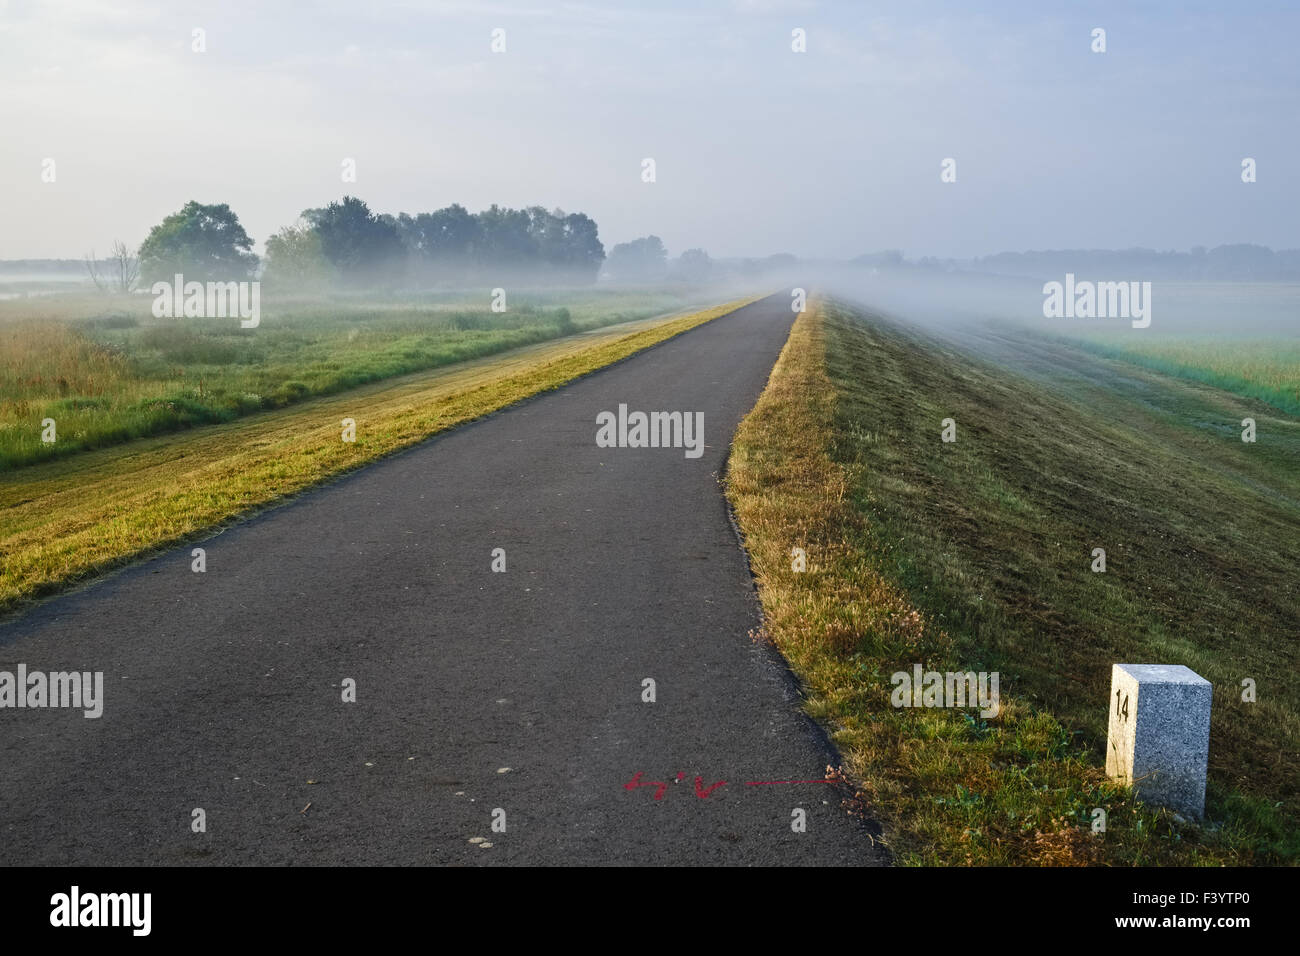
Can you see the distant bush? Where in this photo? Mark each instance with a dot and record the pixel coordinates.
(564, 321)
(290, 392)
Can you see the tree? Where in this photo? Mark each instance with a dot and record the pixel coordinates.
(295, 258)
(119, 273)
(507, 238)
(440, 242)
(452, 234)
(200, 242)
(361, 246)
(580, 252)
(693, 265)
(641, 260)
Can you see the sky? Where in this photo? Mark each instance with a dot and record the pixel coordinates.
(758, 149)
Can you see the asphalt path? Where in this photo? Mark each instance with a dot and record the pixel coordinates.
(479, 694)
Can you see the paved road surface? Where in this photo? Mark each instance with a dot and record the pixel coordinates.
(223, 689)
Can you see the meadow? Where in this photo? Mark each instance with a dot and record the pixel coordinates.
(107, 371)
(1266, 368)
(1237, 336)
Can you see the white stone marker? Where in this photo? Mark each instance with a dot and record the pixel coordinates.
(1159, 739)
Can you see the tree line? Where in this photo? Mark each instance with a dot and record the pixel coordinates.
(346, 244)
(362, 248)
(1234, 262)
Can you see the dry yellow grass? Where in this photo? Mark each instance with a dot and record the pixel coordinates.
(70, 519)
(789, 494)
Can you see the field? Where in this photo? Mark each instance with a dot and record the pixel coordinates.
(1240, 337)
(1261, 367)
(975, 555)
(107, 371)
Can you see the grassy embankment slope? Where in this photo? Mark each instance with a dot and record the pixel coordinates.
(71, 518)
(976, 556)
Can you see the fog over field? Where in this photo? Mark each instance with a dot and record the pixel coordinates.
(1177, 306)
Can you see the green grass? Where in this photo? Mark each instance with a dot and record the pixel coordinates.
(976, 556)
(107, 371)
(1264, 368)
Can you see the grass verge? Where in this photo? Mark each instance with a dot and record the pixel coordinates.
(67, 520)
(975, 556)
